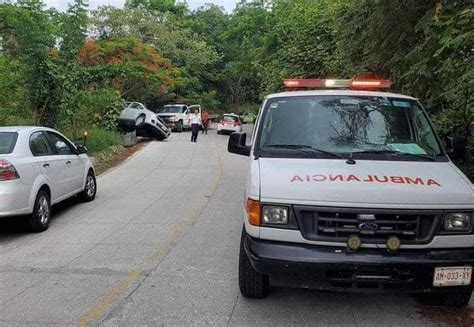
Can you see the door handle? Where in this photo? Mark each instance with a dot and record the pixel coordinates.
(68, 162)
(46, 165)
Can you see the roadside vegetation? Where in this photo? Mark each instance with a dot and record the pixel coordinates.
(73, 70)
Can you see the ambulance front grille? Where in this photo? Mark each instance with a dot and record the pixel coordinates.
(374, 226)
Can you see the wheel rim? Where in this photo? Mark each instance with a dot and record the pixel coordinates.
(90, 186)
(43, 210)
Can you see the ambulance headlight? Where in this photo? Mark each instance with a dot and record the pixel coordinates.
(457, 222)
(275, 215)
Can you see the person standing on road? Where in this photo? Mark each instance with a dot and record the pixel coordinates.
(195, 122)
(205, 121)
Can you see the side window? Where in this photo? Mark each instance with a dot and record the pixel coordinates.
(185, 109)
(424, 133)
(39, 145)
(60, 143)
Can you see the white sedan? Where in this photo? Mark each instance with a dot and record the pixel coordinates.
(229, 123)
(38, 168)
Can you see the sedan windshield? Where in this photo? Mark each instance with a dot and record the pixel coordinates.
(172, 109)
(7, 142)
(348, 124)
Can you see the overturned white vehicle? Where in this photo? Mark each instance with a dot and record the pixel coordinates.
(136, 117)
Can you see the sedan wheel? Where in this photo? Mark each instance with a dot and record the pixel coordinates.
(43, 210)
(90, 189)
(90, 185)
(39, 220)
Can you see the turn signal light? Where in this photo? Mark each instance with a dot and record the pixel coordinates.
(253, 212)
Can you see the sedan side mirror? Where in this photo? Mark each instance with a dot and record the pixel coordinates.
(237, 144)
(456, 147)
(81, 149)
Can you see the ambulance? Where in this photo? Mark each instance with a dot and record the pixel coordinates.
(351, 189)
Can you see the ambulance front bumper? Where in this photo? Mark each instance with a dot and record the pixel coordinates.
(367, 270)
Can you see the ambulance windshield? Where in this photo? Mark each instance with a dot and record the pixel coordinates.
(348, 124)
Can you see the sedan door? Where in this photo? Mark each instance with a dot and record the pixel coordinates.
(48, 164)
(73, 163)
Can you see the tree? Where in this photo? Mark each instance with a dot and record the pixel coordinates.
(30, 32)
(195, 59)
(136, 70)
(300, 43)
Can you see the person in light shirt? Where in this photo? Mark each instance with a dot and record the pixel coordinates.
(195, 122)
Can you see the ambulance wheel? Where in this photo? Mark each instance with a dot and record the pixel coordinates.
(252, 284)
(453, 299)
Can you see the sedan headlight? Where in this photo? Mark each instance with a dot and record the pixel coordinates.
(275, 215)
(457, 222)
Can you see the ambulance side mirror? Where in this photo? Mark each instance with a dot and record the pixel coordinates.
(456, 147)
(237, 144)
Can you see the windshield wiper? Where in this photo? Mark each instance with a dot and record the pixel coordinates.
(304, 148)
(423, 156)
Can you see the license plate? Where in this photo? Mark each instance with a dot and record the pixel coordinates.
(452, 276)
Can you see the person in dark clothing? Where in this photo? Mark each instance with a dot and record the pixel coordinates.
(205, 121)
(195, 122)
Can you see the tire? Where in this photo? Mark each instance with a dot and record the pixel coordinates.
(140, 121)
(179, 128)
(451, 299)
(252, 284)
(39, 220)
(219, 132)
(90, 189)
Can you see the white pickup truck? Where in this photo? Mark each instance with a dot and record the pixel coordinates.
(176, 116)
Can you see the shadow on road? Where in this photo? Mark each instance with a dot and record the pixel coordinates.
(11, 226)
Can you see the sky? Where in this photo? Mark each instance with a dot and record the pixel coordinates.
(62, 4)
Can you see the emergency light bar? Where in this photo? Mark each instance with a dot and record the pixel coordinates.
(361, 84)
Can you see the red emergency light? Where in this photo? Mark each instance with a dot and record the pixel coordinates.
(361, 84)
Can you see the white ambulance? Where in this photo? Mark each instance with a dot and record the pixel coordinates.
(350, 188)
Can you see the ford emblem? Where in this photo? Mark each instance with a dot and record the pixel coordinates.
(368, 226)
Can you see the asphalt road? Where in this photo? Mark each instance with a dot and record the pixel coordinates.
(159, 246)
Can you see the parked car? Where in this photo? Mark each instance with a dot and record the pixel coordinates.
(229, 123)
(38, 168)
(176, 116)
(135, 116)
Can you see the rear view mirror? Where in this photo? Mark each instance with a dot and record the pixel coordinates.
(237, 144)
(81, 149)
(456, 147)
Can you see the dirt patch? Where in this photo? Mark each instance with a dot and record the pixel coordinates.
(441, 316)
(116, 156)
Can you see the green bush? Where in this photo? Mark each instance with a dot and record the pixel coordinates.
(10, 118)
(96, 108)
(98, 140)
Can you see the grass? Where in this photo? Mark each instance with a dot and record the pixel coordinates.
(99, 141)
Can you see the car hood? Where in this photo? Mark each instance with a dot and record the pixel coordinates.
(373, 183)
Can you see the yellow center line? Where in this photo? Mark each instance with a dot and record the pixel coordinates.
(113, 294)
